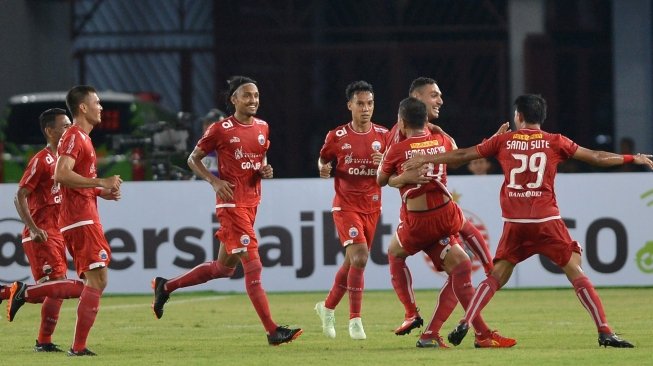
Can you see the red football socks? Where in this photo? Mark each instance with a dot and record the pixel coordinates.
(477, 244)
(49, 317)
(257, 294)
(355, 286)
(338, 289)
(592, 302)
(87, 309)
(447, 302)
(402, 282)
(484, 293)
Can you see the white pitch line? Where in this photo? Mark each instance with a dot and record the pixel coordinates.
(131, 306)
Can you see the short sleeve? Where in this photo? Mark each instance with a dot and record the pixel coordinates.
(209, 141)
(71, 145)
(327, 152)
(32, 175)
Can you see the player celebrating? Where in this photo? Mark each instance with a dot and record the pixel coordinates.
(357, 148)
(79, 220)
(37, 202)
(240, 142)
(532, 222)
(428, 213)
(428, 92)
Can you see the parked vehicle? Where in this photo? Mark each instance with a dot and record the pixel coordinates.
(124, 141)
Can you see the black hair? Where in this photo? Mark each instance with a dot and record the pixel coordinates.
(420, 82)
(532, 107)
(234, 83)
(357, 87)
(76, 95)
(413, 112)
(48, 117)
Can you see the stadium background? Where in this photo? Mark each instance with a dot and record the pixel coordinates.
(591, 59)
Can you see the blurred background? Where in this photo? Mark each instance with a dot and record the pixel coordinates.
(167, 62)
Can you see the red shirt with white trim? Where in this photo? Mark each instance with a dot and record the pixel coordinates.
(426, 143)
(241, 150)
(45, 198)
(79, 206)
(355, 173)
(529, 160)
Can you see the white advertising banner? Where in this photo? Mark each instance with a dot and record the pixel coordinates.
(166, 228)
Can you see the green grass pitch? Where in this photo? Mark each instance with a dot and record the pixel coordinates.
(207, 328)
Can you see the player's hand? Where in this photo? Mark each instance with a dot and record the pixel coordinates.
(112, 182)
(223, 189)
(415, 176)
(110, 194)
(643, 159)
(325, 170)
(376, 158)
(505, 127)
(38, 235)
(266, 171)
(414, 162)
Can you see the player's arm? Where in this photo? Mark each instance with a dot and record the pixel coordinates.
(382, 178)
(412, 176)
(455, 157)
(64, 174)
(607, 159)
(20, 201)
(221, 187)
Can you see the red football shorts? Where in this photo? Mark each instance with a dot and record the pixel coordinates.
(356, 227)
(236, 230)
(47, 260)
(88, 247)
(420, 230)
(551, 238)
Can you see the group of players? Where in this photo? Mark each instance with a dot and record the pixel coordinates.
(57, 201)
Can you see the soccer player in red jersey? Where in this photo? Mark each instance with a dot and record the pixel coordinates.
(37, 202)
(430, 220)
(241, 142)
(532, 221)
(427, 91)
(79, 221)
(357, 148)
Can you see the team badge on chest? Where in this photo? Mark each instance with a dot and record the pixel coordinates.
(376, 145)
(261, 139)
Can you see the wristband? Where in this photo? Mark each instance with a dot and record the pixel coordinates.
(628, 159)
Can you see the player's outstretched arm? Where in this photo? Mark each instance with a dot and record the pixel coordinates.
(608, 159)
(455, 157)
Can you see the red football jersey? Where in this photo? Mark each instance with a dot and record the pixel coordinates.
(355, 173)
(45, 198)
(240, 150)
(529, 160)
(79, 206)
(425, 144)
